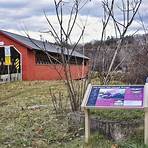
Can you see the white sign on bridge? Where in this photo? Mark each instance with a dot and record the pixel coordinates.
(7, 55)
(7, 51)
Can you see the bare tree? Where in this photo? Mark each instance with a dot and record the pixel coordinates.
(126, 10)
(63, 37)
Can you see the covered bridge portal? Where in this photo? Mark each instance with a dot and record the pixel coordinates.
(10, 72)
(34, 63)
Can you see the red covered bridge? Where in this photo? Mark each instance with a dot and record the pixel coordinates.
(34, 64)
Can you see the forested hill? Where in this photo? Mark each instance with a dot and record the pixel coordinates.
(131, 58)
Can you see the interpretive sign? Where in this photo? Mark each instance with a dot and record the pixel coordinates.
(116, 97)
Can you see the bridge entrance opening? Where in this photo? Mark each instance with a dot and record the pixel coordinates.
(11, 71)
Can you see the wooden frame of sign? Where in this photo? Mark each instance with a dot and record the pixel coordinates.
(138, 104)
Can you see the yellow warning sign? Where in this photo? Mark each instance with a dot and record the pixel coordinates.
(7, 60)
(17, 65)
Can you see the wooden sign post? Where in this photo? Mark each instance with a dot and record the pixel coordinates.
(87, 117)
(87, 125)
(146, 112)
(146, 127)
(115, 97)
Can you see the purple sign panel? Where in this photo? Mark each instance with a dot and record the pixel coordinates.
(116, 96)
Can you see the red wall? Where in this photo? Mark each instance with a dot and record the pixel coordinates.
(33, 71)
(52, 71)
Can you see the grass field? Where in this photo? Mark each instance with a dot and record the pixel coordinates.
(23, 124)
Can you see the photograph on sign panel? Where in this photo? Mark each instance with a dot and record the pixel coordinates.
(113, 93)
(110, 97)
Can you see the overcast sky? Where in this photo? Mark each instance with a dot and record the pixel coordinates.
(19, 15)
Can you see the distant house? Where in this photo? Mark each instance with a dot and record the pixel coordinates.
(32, 63)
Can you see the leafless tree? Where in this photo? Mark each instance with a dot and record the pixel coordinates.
(137, 64)
(62, 36)
(127, 9)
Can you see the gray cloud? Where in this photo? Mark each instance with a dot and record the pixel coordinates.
(16, 13)
(13, 4)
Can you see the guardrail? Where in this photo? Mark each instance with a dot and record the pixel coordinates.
(8, 78)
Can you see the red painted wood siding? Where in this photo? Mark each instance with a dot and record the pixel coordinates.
(33, 71)
(52, 71)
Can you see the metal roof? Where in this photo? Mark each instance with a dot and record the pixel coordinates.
(40, 45)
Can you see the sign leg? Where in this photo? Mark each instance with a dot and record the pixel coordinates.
(146, 127)
(87, 126)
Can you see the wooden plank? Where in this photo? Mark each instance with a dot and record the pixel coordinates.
(116, 85)
(83, 105)
(146, 95)
(146, 113)
(115, 107)
(146, 127)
